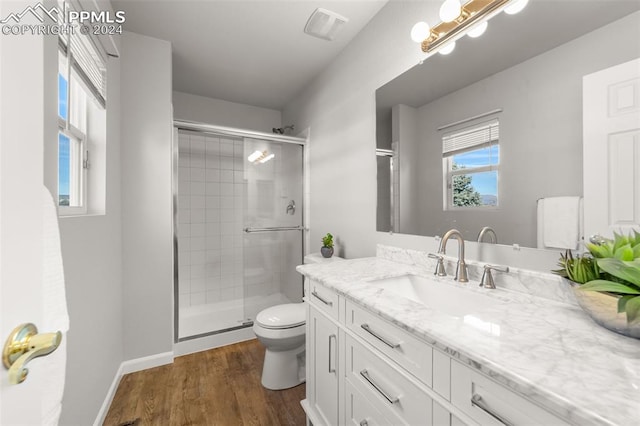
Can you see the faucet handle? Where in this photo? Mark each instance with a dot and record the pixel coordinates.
(440, 265)
(487, 277)
(461, 272)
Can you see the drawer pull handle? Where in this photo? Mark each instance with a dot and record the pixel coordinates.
(479, 402)
(368, 329)
(331, 369)
(364, 423)
(364, 373)
(320, 298)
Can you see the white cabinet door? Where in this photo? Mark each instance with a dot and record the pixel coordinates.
(611, 128)
(322, 386)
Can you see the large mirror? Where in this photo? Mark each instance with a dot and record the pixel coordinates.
(523, 75)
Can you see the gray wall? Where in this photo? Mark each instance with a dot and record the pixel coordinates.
(147, 232)
(224, 113)
(339, 108)
(540, 134)
(406, 136)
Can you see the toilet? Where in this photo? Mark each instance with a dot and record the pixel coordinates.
(281, 330)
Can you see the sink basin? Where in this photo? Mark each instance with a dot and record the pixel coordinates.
(450, 299)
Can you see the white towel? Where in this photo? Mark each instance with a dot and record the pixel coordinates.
(55, 314)
(561, 222)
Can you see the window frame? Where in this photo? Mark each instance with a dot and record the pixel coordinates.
(66, 128)
(80, 169)
(449, 173)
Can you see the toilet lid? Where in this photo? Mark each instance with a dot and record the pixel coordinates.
(282, 316)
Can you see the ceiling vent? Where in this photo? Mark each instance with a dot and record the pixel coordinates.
(325, 24)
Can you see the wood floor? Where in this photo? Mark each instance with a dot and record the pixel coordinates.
(216, 387)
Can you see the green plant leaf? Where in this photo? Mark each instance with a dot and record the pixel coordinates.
(628, 271)
(624, 252)
(622, 302)
(603, 285)
(636, 251)
(633, 310)
(600, 251)
(619, 241)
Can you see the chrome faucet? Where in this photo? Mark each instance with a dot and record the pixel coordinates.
(487, 230)
(461, 269)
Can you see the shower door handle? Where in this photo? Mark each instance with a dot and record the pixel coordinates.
(331, 337)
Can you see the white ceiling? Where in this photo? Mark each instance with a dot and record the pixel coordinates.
(251, 52)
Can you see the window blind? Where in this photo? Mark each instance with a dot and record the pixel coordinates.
(470, 138)
(87, 62)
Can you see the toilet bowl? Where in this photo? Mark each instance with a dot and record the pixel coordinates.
(281, 330)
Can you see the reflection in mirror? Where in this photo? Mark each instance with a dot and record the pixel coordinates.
(443, 167)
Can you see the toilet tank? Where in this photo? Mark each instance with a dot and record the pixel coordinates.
(317, 258)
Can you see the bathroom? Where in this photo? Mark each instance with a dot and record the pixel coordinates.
(118, 260)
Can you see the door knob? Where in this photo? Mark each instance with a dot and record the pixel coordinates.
(24, 344)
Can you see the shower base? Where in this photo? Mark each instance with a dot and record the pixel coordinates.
(214, 317)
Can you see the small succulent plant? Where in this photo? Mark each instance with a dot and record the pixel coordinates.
(579, 269)
(612, 266)
(327, 240)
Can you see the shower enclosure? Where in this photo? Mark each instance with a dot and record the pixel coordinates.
(238, 226)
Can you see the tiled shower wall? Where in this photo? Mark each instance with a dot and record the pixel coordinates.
(210, 219)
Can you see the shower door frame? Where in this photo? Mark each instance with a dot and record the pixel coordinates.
(204, 128)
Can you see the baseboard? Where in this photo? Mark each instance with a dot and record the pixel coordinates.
(144, 363)
(126, 367)
(104, 409)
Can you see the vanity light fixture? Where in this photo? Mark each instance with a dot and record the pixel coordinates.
(256, 155)
(458, 20)
(260, 157)
(267, 158)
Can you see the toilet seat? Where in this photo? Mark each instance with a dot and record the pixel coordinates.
(288, 315)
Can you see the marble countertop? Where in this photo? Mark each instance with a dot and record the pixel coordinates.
(547, 350)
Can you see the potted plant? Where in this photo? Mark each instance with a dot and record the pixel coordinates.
(606, 281)
(327, 246)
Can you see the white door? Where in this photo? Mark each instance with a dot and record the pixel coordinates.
(611, 132)
(22, 109)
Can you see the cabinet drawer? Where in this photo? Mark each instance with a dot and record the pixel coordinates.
(324, 299)
(395, 395)
(359, 411)
(409, 352)
(490, 403)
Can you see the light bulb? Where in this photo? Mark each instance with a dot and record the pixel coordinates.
(420, 32)
(515, 7)
(450, 10)
(478, 30)
(448, 48)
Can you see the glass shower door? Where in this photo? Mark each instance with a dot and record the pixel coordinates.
(273, 235)
(209, 234)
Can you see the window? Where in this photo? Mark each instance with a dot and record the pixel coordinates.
(72, 147)
(81, 117)
(471, 158)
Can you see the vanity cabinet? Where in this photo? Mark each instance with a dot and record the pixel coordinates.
(324, 339)
(322, 367)
(363, 370)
